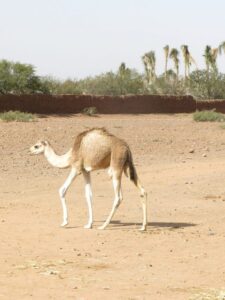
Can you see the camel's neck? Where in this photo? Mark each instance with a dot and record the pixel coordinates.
(58, 161)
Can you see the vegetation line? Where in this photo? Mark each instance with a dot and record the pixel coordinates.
(208, 83)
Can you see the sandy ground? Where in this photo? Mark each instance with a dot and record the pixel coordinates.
(181, 256)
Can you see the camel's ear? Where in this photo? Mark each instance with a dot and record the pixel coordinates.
(45, 143)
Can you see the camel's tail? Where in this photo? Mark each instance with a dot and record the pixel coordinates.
(129, 165)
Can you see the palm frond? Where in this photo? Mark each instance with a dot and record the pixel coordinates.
(221, 48)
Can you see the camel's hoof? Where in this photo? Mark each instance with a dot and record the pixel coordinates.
(88, 226)
(143, 228)
(101, 227)
(64, 224)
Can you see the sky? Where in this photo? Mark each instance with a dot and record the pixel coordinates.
(79, 38)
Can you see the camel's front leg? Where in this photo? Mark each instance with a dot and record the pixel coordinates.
(62, 193)
(88, 195)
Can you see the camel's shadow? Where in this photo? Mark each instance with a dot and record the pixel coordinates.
(116, 224)
(173, 225)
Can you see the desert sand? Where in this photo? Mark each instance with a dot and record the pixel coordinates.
(181, 164)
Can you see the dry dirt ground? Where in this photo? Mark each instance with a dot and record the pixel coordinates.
(181, 256)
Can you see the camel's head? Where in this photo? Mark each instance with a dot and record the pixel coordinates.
(39, 147)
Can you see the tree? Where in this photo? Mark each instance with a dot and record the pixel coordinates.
(149, 62)
(166, 53)
(122, 70)
(174, 54)
(123, 76)
(208, 58)
(6, 82)
(210, 55)
(17, 78)
(207, 86)
(221, 48)
(124, 81)
(188, 60)
(214, 53)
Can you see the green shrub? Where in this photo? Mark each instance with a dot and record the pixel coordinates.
(17, 116)
(203, 85)
(90, 111)
(208, 116)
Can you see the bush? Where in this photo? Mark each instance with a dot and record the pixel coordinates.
(167, 86)
(90, 111)
(17, 116)
(124, 81)
(208, 116)
(205, 85)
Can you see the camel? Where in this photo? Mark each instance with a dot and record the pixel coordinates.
(95, 149)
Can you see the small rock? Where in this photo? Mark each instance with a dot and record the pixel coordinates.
(192, 151)
(50, 272)
(211, 233)
(204, 155)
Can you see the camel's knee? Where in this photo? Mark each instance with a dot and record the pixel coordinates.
(117, 203)
(62, 192)
(143, 193)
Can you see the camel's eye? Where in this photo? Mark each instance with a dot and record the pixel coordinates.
(36, 146)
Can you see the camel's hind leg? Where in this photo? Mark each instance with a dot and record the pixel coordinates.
(117, 199)
(143, 203)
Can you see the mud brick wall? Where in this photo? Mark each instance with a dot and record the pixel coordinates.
(72, 104)
(218, 105)
(45, 104)
(141, 104)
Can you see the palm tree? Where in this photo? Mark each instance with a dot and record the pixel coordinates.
(188, 60)
(149, 62)
(210, 55)
(208, 58)
(186, 56)
(122, 69)
(122, 75)
(166, 52)
(214, 53)
(174, 54)
(221, 48)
